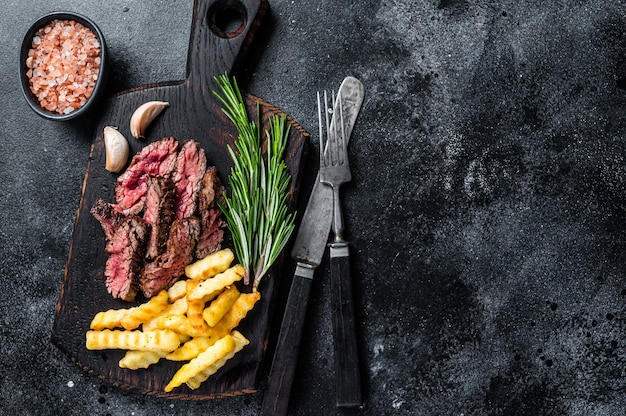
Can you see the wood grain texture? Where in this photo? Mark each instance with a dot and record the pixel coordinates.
(193, 113)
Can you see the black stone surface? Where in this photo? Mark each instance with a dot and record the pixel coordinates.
(487, 209)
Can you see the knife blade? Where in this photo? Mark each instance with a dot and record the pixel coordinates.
(308, 250)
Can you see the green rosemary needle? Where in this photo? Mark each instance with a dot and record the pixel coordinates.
(256, 211)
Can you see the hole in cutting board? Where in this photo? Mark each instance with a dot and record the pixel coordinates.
(228, 18)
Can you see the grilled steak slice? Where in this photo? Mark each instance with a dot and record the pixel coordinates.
(190, 167)
(211, 223)
(159, 213)
(126, 250)
(156, 159)
(108, 217)
(169, 266)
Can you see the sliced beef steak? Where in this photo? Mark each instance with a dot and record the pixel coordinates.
(126, 250)
(159, 213)
(169, 266)
(211, 223)
(164, 217)
(190, 167)
(156, 159)
(108, 217)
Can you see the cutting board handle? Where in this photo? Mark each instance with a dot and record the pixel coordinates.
(221, 31)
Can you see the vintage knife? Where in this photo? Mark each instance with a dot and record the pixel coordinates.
(308, 250)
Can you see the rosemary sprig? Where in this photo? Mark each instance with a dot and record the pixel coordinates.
(256, 211)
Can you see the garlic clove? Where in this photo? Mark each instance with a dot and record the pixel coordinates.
(116, 149)
(144, 115)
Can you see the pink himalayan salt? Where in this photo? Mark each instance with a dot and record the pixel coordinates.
(63, 65)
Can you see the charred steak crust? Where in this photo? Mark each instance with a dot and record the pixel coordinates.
(211, 223)
(159, 213)
(109, 218)
(164, 217)
(169, 266)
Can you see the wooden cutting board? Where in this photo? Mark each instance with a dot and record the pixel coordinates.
(215, 48)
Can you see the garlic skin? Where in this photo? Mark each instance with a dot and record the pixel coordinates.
(144, 115)
(116, 149)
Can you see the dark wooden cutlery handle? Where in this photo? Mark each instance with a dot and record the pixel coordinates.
(344, 329)
(276, 399)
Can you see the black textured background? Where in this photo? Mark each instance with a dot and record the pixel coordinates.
(487, 209)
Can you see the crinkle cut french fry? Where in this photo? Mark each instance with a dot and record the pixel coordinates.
(213, 285)
(244, 303)
(240, 342)
(210, 356)
(109, 319)
(181, 325)
(144, 312)
(177, 308)
(134, 360)
(210, 265)
(191, 348)
(220, 305)
(195, 307)
(158, 340)
(177, 290)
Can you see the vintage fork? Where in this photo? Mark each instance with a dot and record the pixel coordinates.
(335, 171)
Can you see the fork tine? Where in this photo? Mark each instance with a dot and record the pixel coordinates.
(321, 134)
(329, 138)
(332, 134)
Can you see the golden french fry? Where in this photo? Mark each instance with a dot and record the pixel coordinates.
(204, 360)
(179, 307)
(145, 311)
(181, 325)
(109, 319)
(158, 340)
(195, 307)
(134, 360)
(177, 290)
(240, 342)
(212, 286)
(177, 323)
(191, 348)
(244, 303)
(210, 265)
(220, 305)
